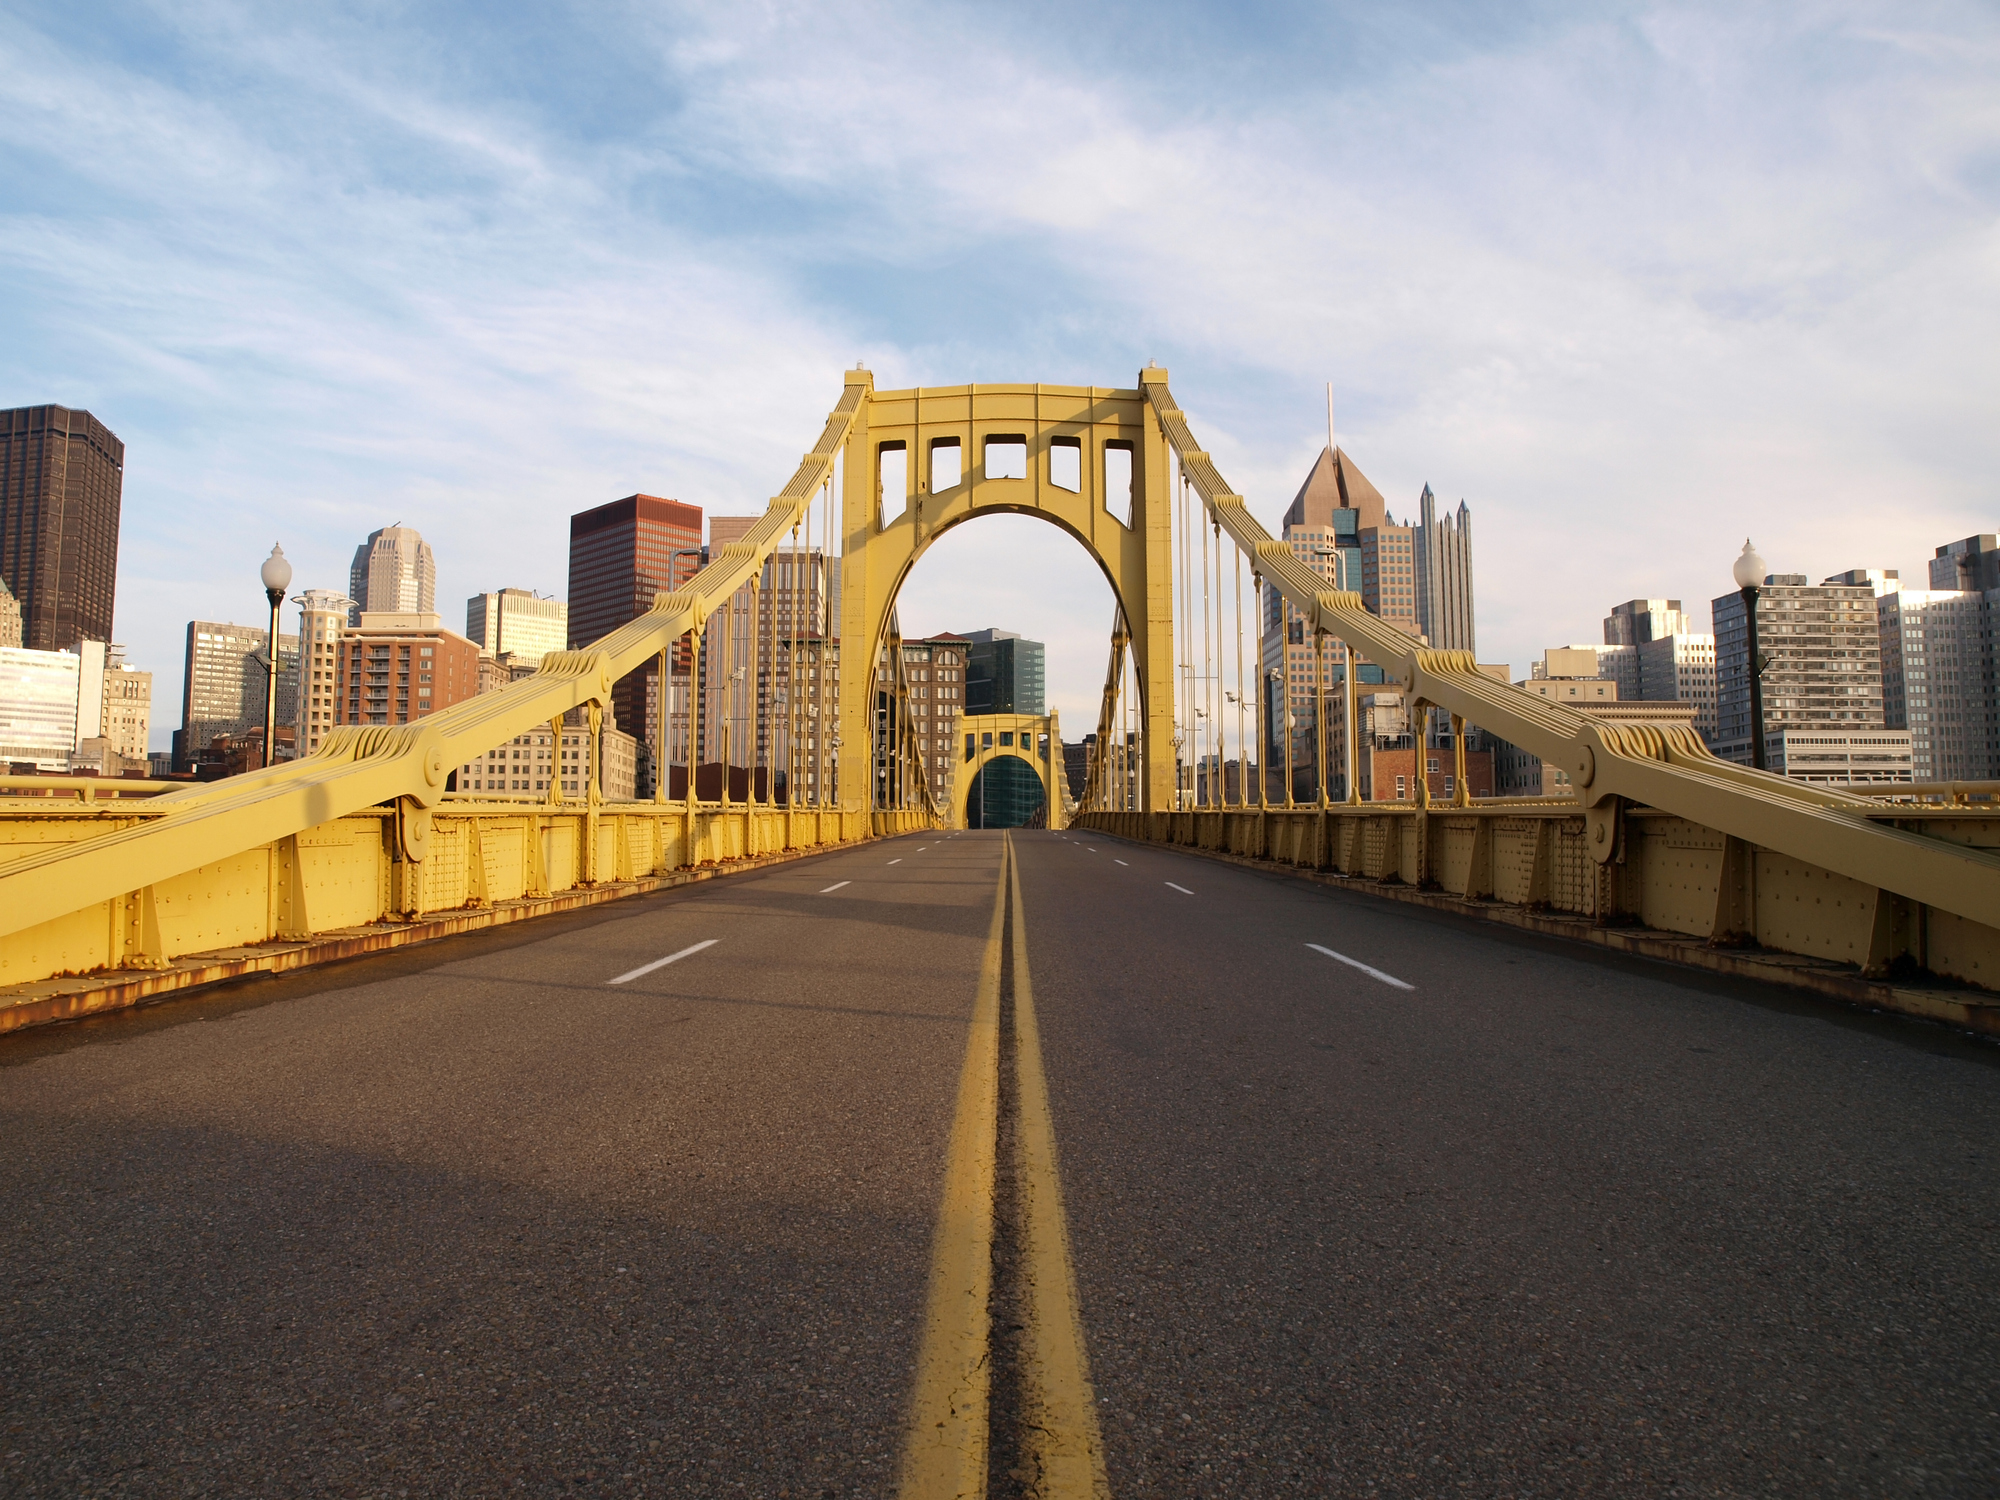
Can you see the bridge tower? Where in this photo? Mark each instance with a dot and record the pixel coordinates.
(1091, 461)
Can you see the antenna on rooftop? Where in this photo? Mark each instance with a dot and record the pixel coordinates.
(1329, 422)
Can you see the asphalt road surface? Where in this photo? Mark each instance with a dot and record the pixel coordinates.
(1360, 1200)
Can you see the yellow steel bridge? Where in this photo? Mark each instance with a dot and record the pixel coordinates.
(113, 882)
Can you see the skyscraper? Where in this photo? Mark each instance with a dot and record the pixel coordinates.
(517, 622)
(1824, 714)
(1444, 574)
(1971, 564)
(1935, 643)
(798, 594)
(1340, 525)
(393, 573)
(1655, 654)
(10, 617)
(224, 684)
(1338, 507)
(1004, 674)
(62, 473)
(620, 555)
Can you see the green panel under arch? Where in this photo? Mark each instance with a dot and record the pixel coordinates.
(1007, 793)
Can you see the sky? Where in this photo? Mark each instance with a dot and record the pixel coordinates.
(1632, 281)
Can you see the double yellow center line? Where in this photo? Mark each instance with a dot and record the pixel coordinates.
(945, 1452)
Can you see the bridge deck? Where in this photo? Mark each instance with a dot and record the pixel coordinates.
(453, 1217)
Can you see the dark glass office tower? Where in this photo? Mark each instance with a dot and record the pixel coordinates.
(1004, 674)
(62, 476)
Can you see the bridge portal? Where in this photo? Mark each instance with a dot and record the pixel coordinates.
(1009, 773)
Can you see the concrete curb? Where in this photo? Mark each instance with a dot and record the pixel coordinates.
(1970, 1010)
(66, 998)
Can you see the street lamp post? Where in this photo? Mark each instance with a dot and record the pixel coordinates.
(1281, 691)
(1749, 574)
(277, 576)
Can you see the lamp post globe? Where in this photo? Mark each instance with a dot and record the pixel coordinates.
(277, 577)
(1749, 570)
(1750, 573)
(276, 573)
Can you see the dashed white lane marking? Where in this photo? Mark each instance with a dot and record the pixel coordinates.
(661, 963)
(896, 861)
(836, 886)
(1091, 848)
(1355, 963)
(1181, 888)
(1120, 862)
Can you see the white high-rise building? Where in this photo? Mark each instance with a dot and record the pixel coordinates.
(518, 623)
(1822, 677)
(323, 615)
(393, 573)
(50, 702)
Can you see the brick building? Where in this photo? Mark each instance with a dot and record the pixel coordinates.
(396, 668)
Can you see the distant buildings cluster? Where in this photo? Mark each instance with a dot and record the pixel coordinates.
(380, 654)
(1862, 679)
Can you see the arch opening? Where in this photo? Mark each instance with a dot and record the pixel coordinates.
(1007, 793)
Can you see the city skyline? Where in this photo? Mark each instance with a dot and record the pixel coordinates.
(321, 278)
(1933, 559)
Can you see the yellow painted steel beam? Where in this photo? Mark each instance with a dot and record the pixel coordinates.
(1672, 770)
(1107, 713)
(886, 534)
(359, 766)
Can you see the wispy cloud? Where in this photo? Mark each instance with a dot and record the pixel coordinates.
(1631, 282)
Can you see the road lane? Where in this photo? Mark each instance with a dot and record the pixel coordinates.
(484, 1221)
(479, 1218)
(1544, 1224)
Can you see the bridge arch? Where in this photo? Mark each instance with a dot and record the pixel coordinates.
(1029, 741)
(1058, 453)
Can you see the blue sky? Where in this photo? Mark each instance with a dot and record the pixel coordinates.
(1630, 280)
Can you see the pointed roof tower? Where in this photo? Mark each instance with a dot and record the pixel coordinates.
(1336, 484)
